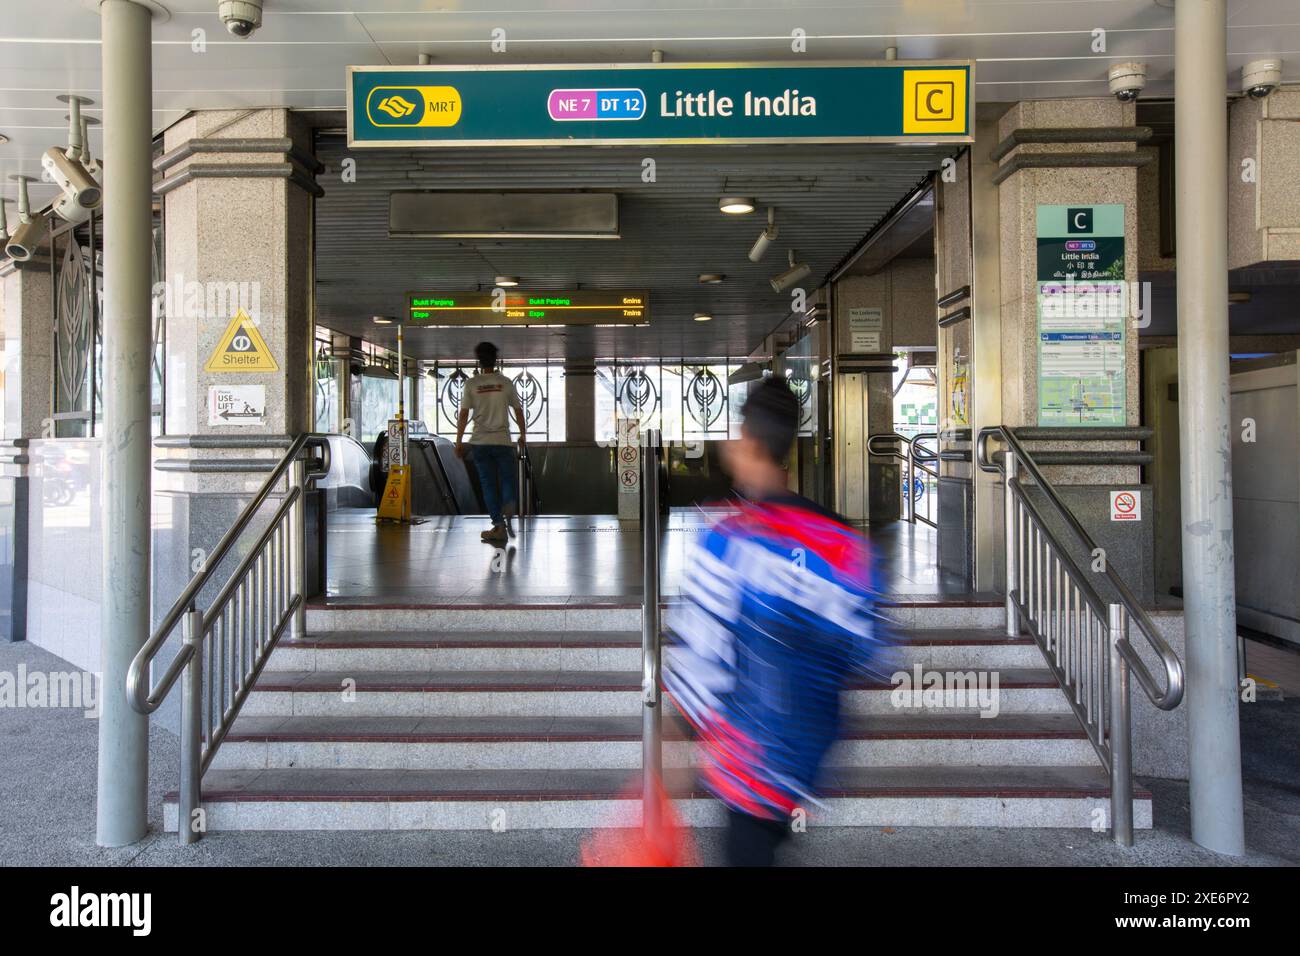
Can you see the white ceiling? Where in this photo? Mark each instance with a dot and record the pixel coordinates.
(1023, 48)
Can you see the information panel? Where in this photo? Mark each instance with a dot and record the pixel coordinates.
(641, 103)
(1082, 312)
(511, 307)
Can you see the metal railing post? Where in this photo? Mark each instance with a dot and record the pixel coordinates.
(909, 492)
(298, 547)
(523, 491)
(651, 712)
(1121, 757)
(189, 799)
(1012, 556)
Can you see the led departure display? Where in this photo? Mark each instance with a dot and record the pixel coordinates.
(513, 307)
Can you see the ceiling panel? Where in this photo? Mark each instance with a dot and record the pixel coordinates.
(1022, 48)
(826, 200)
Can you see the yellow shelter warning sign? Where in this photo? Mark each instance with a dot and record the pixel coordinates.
(241, 349)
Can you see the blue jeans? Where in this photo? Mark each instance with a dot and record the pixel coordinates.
(496, 475)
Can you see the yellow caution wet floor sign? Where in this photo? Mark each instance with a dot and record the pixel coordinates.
(396, 503)
(241, 349)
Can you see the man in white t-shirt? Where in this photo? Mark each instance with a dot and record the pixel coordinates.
(488, 399)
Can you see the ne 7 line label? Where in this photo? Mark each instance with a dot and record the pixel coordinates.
(569, 105)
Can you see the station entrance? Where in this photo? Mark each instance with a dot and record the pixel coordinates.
(732, 248)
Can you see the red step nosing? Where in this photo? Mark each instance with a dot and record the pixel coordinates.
(534, 796)
(266, 686)
(471, 738)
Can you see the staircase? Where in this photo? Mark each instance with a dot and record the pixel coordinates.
(455, 717)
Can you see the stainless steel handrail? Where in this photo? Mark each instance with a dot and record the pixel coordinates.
(1050, 595)
(524, 467)
(913, 462)
(651, 711)
(264, 596)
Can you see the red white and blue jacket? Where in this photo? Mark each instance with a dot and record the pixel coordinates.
(776, 615)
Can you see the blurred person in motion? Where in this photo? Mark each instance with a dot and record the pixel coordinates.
(489, 400)
(776, 616)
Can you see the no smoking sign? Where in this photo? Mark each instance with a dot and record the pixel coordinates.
(1125, 506)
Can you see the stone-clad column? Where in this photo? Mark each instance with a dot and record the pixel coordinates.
(27, 319)
(1056, 158)
(237, 188)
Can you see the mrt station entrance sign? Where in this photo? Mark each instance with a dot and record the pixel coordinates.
(663, 103)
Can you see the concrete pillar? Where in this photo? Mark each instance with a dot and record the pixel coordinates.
(238, 200)
(1100, 173)
(128, 345)
(27, 320)
(1205, 441)
(871, 312)
(237, 189)
(1068, 168)
(579, 402)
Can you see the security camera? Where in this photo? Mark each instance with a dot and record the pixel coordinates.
(241, 17)
(26, 237)
(797, 272)
(1260, 78)
(78, 186)
(765, 238)
(1127, 81)
(22, 244)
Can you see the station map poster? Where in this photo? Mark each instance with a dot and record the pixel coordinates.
(1082, 312)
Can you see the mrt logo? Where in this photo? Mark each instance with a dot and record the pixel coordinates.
(934, 101)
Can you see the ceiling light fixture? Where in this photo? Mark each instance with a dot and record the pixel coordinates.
(382, 320)
(765, 238)
(711, 278)
(736, 205)
(703, 317)
(507, 281)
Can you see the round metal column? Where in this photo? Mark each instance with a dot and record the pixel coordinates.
(1204, 407)
(128, 356)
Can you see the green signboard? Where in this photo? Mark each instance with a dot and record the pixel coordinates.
(516, 307)
(1082, 314)
(660, 103)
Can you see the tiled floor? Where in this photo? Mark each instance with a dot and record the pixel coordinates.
(1278, 665)
(559, 560)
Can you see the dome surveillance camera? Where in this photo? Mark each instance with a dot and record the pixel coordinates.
(1260, 78)
(1127, 81)
(241, 17)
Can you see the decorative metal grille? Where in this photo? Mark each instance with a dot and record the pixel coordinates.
(75, 332)
(638, 396)
(453, 390)
(78, 304)
(532, 396)
(704, 399)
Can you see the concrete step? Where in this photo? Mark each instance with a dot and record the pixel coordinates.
(557, 743)
(593, 650)
(310, 799)
(387, 616)
(557, 693)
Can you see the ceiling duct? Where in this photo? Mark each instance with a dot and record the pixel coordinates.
(503, 215)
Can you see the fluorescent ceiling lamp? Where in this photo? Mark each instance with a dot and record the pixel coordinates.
(736, 205)
(507, 281)
(703, 317)
(382, 320)
(711, 278)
